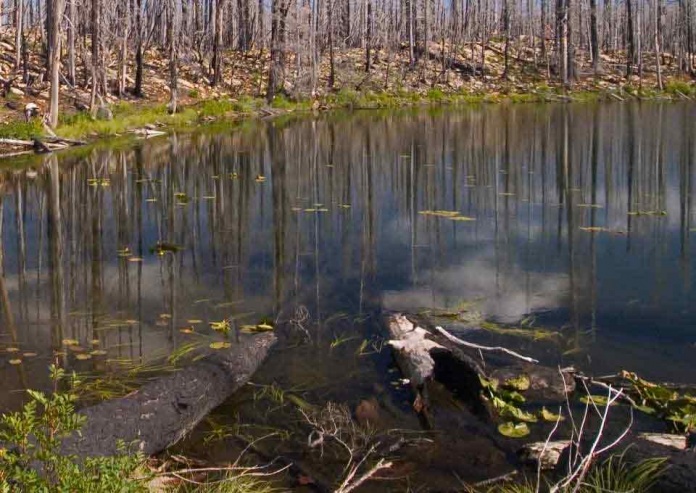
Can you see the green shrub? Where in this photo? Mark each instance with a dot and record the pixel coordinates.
(32, 460)
(194, 94)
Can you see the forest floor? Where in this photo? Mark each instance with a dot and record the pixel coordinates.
(391, 82)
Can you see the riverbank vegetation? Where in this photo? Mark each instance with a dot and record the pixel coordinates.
(79, 61)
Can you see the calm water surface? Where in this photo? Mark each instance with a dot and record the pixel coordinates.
(325, 214)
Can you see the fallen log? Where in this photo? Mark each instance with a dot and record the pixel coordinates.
(162, 412)
(425, 354)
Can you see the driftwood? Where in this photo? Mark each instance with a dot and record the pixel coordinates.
(162, 412)
(40, 146)
(425, 354)
(424, 357)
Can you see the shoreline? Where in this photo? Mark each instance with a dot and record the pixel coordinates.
(133, 115)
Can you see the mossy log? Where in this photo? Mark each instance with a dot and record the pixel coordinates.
(162, 412)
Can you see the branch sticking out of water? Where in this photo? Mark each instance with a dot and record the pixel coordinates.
(461, 342)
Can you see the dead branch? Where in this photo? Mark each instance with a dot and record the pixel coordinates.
(461, 342)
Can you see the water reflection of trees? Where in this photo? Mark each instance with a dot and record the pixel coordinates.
(531, 175)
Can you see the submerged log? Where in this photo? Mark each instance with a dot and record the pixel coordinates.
(162, 412)
(426, 353)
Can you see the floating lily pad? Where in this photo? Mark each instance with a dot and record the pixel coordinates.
(520, 382)
(513, 430)
(15, 362)
(220, 345)
(71, 342)
(597, 400)
(83, 356)
(547, 415)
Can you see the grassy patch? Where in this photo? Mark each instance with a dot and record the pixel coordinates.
(21, 130)
(679, 86)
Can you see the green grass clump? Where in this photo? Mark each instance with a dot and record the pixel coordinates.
(679, 86)
(436, 95)
(21, 130)
(613, 475)
(215, 107)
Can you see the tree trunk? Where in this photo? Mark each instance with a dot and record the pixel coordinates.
(594, 37)
(57, 7)
(658, 54)
(368, 40)
(172, 35)
(138, 89)
(506, 29)
(96, 54)
(631, 50)
(19, 32)
(276, 76)
(72, 14)
(217, 43)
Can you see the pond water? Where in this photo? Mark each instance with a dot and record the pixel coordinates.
(580, 220)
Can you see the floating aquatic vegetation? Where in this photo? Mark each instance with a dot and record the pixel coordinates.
(513, 430)
(181, 198)
(547, 415)
(15, 361)
(162, 248)
(124, 252)
(187, 330)
(70, 342)
(462, 218)
(658, 400)
(220, 345)
(647, 213)
(600, 229)
(260, 178)
(251, 329)
(29, 355)
(520, 383)
(12, 350)
(591, 206)
(233, 176)
(597, 400)
(99, 182)
(505, 399)
(340, 340)
(194, 321)
(439, 213)
(98, 352)
(223, 326)
(533, 333)
(83, 356)
(151, 200)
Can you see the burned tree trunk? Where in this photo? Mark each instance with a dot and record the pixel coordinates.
(162, 412)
